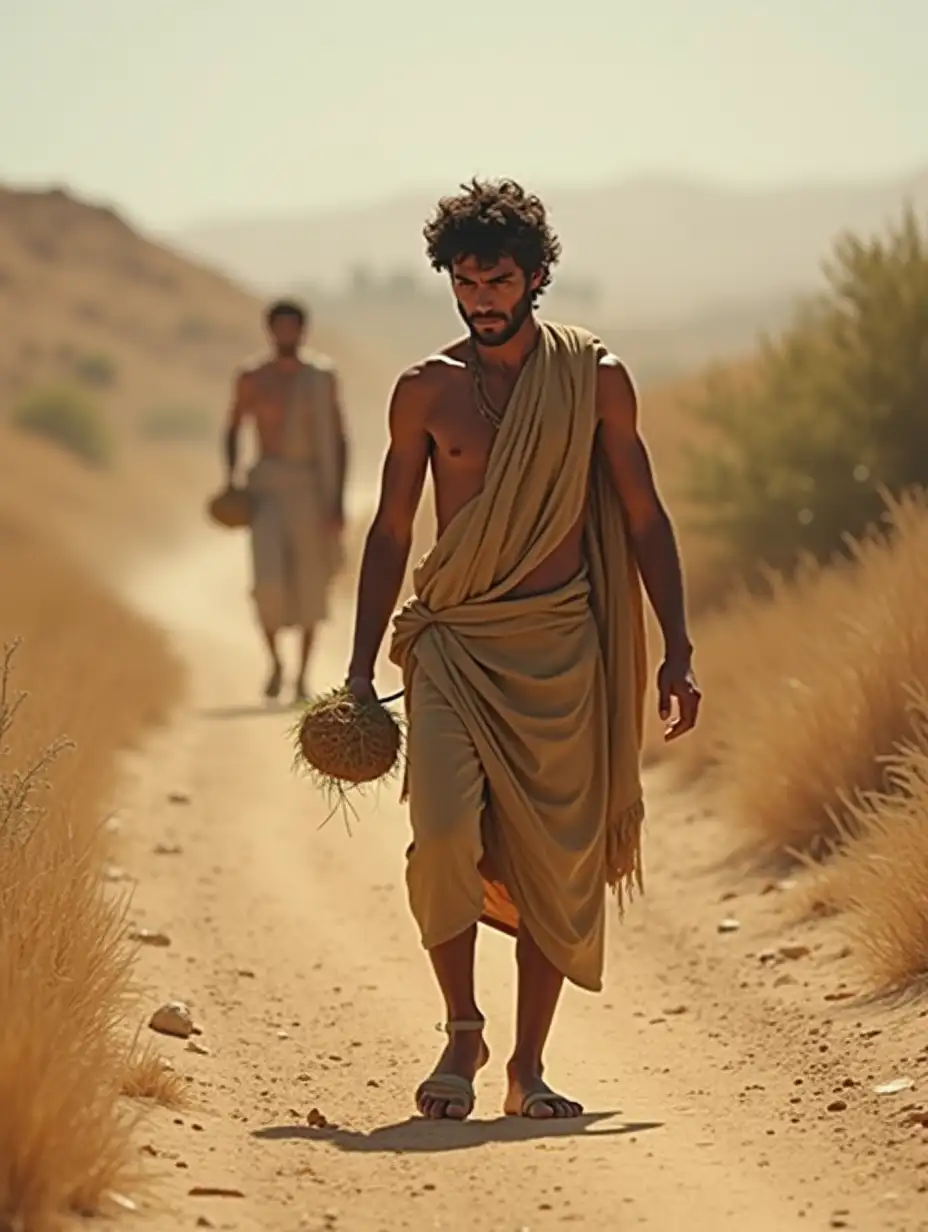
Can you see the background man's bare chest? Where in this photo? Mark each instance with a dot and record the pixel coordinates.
(274, 392)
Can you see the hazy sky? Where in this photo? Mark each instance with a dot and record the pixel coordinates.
(186, 110)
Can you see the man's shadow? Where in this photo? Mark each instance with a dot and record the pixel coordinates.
(420, 1136)
(254, 710)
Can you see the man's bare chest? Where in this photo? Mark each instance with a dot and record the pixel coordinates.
(462, 434)
(274, 393)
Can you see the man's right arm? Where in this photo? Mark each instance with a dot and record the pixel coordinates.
(235, 419)
(389, 540)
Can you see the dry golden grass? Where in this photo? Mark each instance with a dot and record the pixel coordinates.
(808, 690)
(878, 879)
(149, 1077)
(99, 675)
(747, 647)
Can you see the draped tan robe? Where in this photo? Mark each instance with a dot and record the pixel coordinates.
(294, 555)
(525, 714)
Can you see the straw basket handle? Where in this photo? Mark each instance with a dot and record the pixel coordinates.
(394, 697)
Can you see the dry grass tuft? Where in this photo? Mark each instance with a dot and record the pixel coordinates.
(149, 1077)
(100, 675)
(808, 690)
(64, 973)
(749, 652)
(878, 880)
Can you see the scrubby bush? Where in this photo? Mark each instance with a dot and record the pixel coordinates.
(95, 369)
(67, 417)
(834, 415)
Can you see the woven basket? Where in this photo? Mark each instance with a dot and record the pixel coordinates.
(343, 742)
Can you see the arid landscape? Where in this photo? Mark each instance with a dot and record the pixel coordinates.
(759, 1056)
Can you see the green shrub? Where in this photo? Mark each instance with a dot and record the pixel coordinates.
(95, 369)
(836, 413)
(177, 422)
(67, 417)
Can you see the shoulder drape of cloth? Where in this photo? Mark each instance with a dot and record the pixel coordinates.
(554, 714)
(321, 394)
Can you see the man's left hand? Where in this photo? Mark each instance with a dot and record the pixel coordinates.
(676, 682)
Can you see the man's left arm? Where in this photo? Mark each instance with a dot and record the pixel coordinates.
(653, 540)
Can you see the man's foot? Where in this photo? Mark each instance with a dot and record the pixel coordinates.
(530, 1096)
(300, 692)
(448, 1093)
(274, 682)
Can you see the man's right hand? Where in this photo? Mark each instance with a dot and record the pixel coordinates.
(362, 688)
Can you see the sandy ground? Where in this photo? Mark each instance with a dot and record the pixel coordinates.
(708, 1066)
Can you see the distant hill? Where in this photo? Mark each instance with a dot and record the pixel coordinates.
(656, 248)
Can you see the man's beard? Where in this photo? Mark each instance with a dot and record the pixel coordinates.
(287, 350)
(510, 325)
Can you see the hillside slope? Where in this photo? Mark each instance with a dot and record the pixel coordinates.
(87, 302)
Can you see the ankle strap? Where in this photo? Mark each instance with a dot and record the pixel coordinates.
(461, 1024)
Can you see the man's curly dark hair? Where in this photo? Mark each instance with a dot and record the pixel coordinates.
(490, 219)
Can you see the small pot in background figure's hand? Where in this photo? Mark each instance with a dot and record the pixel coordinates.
(231, 508)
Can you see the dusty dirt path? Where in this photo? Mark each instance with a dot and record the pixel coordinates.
(707, 1086)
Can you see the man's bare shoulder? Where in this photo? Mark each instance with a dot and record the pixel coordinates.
(616, 394)
(432, 374)
(320, 362)
(253, 369)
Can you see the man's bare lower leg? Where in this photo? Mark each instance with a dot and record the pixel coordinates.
(540, 985)
(466, 1052)
(274, 680)
(306, 648)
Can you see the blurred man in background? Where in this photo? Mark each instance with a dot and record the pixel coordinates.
(296, 486)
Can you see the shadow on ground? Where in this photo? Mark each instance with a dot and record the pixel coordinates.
(417, 1136)
(267, 709)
